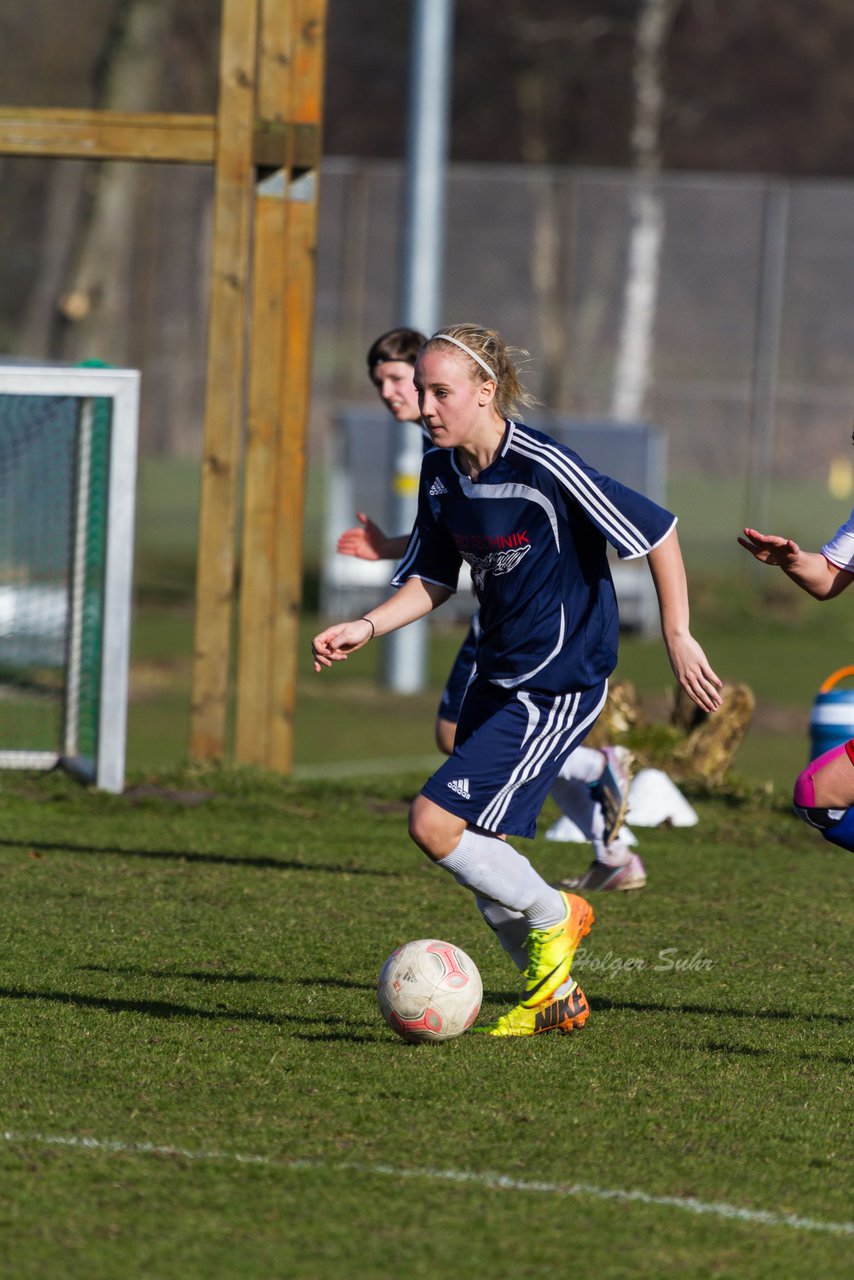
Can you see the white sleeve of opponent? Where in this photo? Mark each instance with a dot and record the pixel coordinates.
(840, 549)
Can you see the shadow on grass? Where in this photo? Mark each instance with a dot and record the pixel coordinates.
(352, 1037)
(162, 1009)
(602, 1004)
(213, 975)
(267, 862)
(598, 1004)
(748, 1051)
(345, 984)
(193, 975)
(367, 1033)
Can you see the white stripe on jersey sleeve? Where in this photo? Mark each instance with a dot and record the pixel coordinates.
(405, 570)
(409, 557)
(606, 513)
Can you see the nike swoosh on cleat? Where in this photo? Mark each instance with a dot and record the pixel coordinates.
(541, 983)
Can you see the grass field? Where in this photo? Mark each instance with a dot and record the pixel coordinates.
(197, 1082)
(345, 716)
(755, 627)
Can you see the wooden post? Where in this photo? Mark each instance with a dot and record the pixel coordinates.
(285, 225)
(215, 579)
(304, 108)
(257, 596)
(257, 605)
(296, 359)
(268, 119)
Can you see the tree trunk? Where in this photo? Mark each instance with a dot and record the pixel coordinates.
(95, 303)
(633, 365)
(547, 240)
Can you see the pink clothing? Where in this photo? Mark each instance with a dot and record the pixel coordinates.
(805, 787)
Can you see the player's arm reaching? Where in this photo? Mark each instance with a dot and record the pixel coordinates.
(689, 662)
(368, 542)
(810, 570)
(638, 527)
(414, 599)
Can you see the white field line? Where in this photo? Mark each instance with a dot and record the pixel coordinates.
(494, 1181)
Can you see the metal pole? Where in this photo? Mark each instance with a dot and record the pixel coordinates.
(769, 325)
(405, 652)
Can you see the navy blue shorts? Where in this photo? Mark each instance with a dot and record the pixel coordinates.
(841, 832)
(509, 748)
(461, 673)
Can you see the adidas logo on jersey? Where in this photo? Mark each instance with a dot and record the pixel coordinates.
(461, 787)
(436, 488)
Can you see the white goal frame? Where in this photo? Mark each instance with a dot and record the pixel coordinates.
(121, 387)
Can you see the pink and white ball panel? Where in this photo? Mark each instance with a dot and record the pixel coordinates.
(429, 990)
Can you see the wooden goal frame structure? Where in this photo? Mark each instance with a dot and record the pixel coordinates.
(264, 144)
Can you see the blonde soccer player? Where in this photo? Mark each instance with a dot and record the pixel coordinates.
(592, 788)
(533, 521)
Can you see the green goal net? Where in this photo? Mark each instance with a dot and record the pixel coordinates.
(67, 480)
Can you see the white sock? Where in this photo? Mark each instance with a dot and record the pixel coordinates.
(511, 930)
(574, 799)
(565, 988)
(617, 854)
(585, 764)
(493, 869)
(509, 927)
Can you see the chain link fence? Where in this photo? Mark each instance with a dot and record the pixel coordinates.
(752, 367)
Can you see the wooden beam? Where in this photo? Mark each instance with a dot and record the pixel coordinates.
(256, 638)
(290, 83)
(107, 135)
(170, 139)
(296, 374)
(215, 579)
(308, 18)
(260, 500)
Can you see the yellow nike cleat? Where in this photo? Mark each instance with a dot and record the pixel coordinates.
(552, 951)
(565, 1014)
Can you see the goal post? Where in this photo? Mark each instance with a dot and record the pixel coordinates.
(68, 444)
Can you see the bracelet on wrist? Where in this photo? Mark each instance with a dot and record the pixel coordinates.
(371, 625)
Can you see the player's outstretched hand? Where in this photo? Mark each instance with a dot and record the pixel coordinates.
(368, 541)
(336, 643)
(695, 675)
(768, 548)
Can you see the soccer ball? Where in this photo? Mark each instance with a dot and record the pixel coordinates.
(429, 990)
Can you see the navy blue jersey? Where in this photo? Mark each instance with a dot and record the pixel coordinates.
(461, 673)
(533, 527)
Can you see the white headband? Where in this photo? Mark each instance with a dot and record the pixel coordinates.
(446, 337)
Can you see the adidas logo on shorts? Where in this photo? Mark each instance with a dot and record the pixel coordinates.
(436, 488)
(461, 787)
